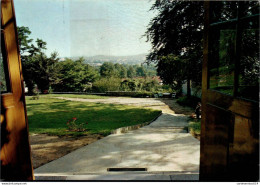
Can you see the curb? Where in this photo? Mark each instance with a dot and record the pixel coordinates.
(133, 127)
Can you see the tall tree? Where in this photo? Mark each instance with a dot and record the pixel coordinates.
(130, 72)
(37, 67)
(74, 76)
(46, 70)
(108, 70)
(177, 30)
(140, 71)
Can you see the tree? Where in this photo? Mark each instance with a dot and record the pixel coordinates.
(46, 70)
(107, 70)
(140, 71)
(131, 72)
(177, 31)
(120, 70)
(74, 76)
(37, 67)
(166, 66)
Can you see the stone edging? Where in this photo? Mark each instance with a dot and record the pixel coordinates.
(133, 127)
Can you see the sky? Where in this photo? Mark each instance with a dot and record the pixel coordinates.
(88, 27)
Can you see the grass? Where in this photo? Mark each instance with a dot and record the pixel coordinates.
(48, 115)
(83, 96)
(195, 126)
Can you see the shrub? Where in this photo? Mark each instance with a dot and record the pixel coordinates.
(106, 84)
(74, 126)
(138, 94)
(195, 128)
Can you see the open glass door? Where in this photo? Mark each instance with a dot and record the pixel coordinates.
(15, 149)
(230, 98)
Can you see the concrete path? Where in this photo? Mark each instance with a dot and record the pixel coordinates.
(164, 148)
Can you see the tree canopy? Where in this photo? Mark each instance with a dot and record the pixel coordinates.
(177, 32)
(37, 67)
(74, 76)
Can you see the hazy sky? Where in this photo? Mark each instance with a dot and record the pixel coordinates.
(87, 27)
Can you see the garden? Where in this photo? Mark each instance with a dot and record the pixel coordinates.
(58, 127)
(48, 115)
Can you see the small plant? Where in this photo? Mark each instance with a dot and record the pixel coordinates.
(195, 128)
(74, 126)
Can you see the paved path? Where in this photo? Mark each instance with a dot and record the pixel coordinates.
(152, 103)
(164, 148)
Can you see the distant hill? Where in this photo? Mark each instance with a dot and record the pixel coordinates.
(100, 59)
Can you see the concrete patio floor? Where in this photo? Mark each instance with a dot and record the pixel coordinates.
(164, 148)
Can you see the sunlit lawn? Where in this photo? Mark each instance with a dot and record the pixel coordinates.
(48, 115)
(84, 96)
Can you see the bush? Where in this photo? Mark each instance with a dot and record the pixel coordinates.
(195, 128)
(106, 84)
(190, 102)
(138, 94)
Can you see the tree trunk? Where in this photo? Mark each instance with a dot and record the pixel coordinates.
(30, 89)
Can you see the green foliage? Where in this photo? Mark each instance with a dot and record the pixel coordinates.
(121, 71)
(52, 75)
(195, 127)
(49, 115)
(108, 70)
(131, 72)
(37, 67)
(140, 84)
(171, 70)
(106, 84)
(191, 101)
(74, 76)
(177, 32)
(128, 85)
(3, 79)
(136, 94)
(140, 71)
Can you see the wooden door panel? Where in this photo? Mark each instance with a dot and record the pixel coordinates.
(230, 123)
(7, 11)
(244, 149)
(216, 144)
(15, 148)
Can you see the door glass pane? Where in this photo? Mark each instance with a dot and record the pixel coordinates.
(2, 75)
(221, 60)
(4, 80)
(249, 8)
(249, 63)
(223, 11)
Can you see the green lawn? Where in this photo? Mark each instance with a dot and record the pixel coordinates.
(84, 96)
(48, 115)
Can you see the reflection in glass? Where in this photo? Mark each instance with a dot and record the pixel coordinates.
(3, 85)
(222, 61)
(249, 62)
(223, 11)
(249, 8)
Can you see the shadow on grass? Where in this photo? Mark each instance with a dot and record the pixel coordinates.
(51, 117)
(178, 109)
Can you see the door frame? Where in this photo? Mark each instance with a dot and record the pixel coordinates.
(16, 161)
